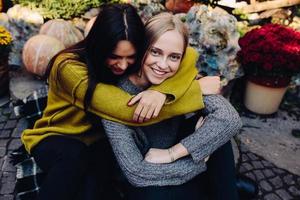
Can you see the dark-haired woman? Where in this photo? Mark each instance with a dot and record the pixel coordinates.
(67, 142)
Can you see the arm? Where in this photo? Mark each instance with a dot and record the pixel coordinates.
(73, 90)
(137, 170)
(221, 124)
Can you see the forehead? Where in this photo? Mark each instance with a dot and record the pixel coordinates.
(124, 48)
(170, 41)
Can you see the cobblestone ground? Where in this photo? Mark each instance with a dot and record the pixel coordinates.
(274, 183)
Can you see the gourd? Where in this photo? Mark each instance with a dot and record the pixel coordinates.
(38, 51)
(63, 30)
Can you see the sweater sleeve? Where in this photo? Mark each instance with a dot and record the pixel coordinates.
(220, 125)
(141, 173)
(109, 100)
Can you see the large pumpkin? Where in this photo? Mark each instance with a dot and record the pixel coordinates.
(63, 30)
(38, 51)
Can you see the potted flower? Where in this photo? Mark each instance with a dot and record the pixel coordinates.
(270, 56)
(5, 42)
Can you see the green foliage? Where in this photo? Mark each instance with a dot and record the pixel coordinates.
(64, 9)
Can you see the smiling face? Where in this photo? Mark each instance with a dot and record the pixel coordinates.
(121, 58)
(163, 58)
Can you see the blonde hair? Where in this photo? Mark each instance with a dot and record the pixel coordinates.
(161, 23)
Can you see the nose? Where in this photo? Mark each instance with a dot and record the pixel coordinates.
(123, 64)
(162, 63)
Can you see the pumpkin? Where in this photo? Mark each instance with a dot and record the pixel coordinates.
(63, 30)
(18, 12)
(89, 26)
(38, 51)
(179, 6)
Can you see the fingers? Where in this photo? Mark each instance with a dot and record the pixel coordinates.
(143, 114)
(157, 111)
(199, 122)
(206, 159)
(134, 99)
(137, 112)
(150, 113)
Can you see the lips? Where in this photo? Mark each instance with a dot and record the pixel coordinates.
(117, 71)
(158, 72)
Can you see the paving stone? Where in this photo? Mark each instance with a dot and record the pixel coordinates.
(1, 163)
(252, 156)
(14, 144)
(295, 191)
(6, 111)
(244, 158)
(22, 125)
(247, 166)
(298, 180)
(265, 186)
(278, 171)
(259, 175)
(3, 118)
(288, 179)
(5, 134)
(3, 142)
(8, 177)
(2, 125)
(242, 169)
(268, 173)
(267, 164)
(257, 165)
(250, 175)
(11, 124)
(7, 188)
(272, 197)
(277, 183)
(283, 194)
(13, 116)
(2, 151)
(7, 197)
(7, 166)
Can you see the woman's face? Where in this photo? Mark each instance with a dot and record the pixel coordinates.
(121, 58)
(163, 58)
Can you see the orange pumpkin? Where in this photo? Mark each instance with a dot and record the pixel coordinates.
(38, 51)
(63, 30)
(179, 6)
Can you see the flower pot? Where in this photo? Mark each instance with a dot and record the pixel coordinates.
(4, 76)
(179, 6)
(261, 99)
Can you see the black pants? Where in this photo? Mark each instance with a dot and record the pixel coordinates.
(74, 170)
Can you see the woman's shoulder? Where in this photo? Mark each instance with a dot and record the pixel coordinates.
(68, 60)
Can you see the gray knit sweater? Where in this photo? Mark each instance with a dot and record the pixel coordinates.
(129, 143)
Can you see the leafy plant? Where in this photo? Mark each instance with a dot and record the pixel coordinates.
(5, 41)
(64, 9)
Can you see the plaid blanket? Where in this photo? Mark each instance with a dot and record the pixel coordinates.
(29, 176)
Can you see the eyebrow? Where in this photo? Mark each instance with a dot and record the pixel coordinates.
(115, 55)
(174, 53)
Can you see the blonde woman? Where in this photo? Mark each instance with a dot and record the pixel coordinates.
(159, 161)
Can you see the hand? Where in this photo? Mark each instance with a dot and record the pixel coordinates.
(199, 123)
(150, 104)
(210, 85)
(158, 156)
